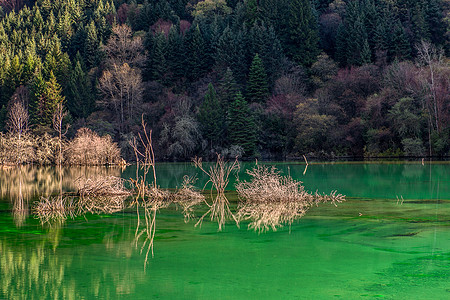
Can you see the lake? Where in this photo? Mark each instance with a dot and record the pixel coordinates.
(389, 239)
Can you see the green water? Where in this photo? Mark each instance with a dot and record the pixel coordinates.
(371, 246)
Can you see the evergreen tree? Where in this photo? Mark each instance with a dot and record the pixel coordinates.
(352, 43)
(257, 90)
(211, 118)
(80, 96)
(302, 42)
(241, 126)
(47, 96)
(195, 54)
(399, 46)
(434, 18)
(91, 46)
(228, 89)
(174, 54)
(14, 75)
(157, 60)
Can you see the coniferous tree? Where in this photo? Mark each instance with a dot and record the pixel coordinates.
(211, 118)
(434, 18)
(48, 95)
(195, 54)
(399, 46)
(80, 96)
(228, 89)
(302, 42)
(241, 126)
(257, 90)
(174, 54)
(157, 60)
(91, 46)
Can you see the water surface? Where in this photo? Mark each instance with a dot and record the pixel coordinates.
(390, 239)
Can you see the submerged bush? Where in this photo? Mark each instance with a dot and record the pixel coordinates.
(270, 200)
(87, 148)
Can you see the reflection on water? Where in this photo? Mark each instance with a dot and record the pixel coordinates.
(45, 269)
(29, 181)
(369, 246)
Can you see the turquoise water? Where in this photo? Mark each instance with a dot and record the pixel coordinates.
(390, 239)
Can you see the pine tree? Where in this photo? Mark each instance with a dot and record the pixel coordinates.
(434, 19)
(195, 54)
(80, 96)
(399, 46)
(257, 90)
(14, 75)
(47, 96)
(211, 118)
(174, 60)
(302, 43)
(157, 60)
(241, 126)
(228, 89)
(91, 46)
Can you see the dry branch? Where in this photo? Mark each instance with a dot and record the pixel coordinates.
(270, 200)
(219, 177)
(187, 197)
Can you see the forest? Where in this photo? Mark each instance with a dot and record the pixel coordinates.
(269, 79)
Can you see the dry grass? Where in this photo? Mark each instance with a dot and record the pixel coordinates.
(219, 177)
(271, 200)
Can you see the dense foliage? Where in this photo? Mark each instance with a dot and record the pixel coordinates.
(267, 78)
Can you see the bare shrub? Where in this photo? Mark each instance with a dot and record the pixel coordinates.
(15, 150)
(46, 149)
(218, 174)
(55, 209)
(87, 148)
(271, 200)
(104, 194)
(187, 197)
(101, 186)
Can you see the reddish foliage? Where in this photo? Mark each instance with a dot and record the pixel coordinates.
(284, 105)
(161, 26)
(122, 13)
(184, 26)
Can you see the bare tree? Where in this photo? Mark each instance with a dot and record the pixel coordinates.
(10, 5)
(18, 127)
(122, 90)
(432, 58)
(123, 48)
(58, 117)
(18, 120)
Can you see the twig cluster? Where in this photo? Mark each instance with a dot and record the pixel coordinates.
(270, 200)
(187, 197)
(219, 177)
(56, 209)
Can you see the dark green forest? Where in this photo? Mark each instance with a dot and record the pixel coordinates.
(269, 79)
